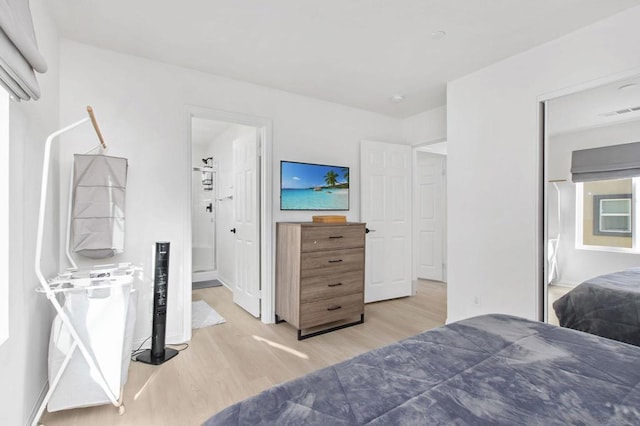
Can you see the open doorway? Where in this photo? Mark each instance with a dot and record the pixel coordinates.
(214, 210)
(429, 212)
(205, 197)
(230, 208)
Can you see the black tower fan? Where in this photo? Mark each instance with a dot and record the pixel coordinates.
(158, 353)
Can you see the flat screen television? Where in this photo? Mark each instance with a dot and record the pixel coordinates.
(307, 186)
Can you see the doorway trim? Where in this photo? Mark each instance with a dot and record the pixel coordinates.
(264, 127)
(415, 148)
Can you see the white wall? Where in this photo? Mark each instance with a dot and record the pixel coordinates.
(428, 126)
(577, 265)
(23, 356)
(141, 106)
(493, 133)
(4, 214)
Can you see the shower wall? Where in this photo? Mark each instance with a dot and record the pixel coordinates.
(203, 216)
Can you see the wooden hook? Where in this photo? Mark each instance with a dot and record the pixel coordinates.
(95, 126)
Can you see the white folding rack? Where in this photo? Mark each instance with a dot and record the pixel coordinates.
(74, 280)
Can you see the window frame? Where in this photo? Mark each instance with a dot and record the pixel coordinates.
(579, 209)
(598, 214)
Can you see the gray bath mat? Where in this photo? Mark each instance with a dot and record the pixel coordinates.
(205, 284)
(203, 315)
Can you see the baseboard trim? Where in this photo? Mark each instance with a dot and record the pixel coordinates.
(204, 276)
(565, 284)
(224, 283)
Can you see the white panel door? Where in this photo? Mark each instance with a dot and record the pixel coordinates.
(246, 289)
(428, 236)
(385, 203)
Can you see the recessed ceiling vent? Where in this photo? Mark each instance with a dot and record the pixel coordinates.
(621, 111)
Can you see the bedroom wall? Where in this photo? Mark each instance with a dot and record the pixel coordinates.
(493, 133)
(142, 109)
(577, 265)
(23, 357)
(425, 127)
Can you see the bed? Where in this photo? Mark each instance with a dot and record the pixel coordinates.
(491, 369)
(608, 306)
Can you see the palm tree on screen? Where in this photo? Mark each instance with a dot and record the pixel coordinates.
(331, 178)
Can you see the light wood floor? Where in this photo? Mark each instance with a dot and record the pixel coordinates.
(228, 362)
(555, 292)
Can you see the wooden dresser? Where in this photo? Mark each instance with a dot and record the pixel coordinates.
(319, 275)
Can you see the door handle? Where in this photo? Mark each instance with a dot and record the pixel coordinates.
(367, 230)
(233, 230)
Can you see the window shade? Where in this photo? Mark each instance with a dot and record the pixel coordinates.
(605, 163)
(19, 55)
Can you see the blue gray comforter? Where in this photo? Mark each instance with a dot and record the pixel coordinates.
(608, 306)
(492, 369)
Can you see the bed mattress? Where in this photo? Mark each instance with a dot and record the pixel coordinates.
(492, 369)
(608, 306)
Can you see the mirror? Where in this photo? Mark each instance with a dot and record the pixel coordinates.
(592, 228)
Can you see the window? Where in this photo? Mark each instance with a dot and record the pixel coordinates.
(606, 216)
(612, 215)
(4, 215)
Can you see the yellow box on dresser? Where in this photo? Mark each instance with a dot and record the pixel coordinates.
(329, 219)
(320, 275)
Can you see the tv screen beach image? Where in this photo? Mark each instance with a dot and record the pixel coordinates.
(305, 186)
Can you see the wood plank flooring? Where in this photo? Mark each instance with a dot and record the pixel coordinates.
(555, 292)
(229, 362)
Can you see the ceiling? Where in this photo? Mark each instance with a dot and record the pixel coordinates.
(605, 105)
(354, 52)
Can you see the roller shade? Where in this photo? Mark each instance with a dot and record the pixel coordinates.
(605, 163)
(19, 55)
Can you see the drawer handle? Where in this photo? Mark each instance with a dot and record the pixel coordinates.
(335, 261)
(334, 308)
(334, 285)
(336, 236)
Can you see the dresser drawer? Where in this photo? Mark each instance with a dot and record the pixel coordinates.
(329, 310)
(333, 262)
(331, 237)
(328, 286)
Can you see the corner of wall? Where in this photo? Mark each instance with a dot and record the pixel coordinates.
(425, 127)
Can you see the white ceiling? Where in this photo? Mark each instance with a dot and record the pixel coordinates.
(601, 106)
(353, 52)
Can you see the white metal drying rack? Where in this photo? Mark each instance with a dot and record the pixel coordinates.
(73, 280)
(554, 272)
